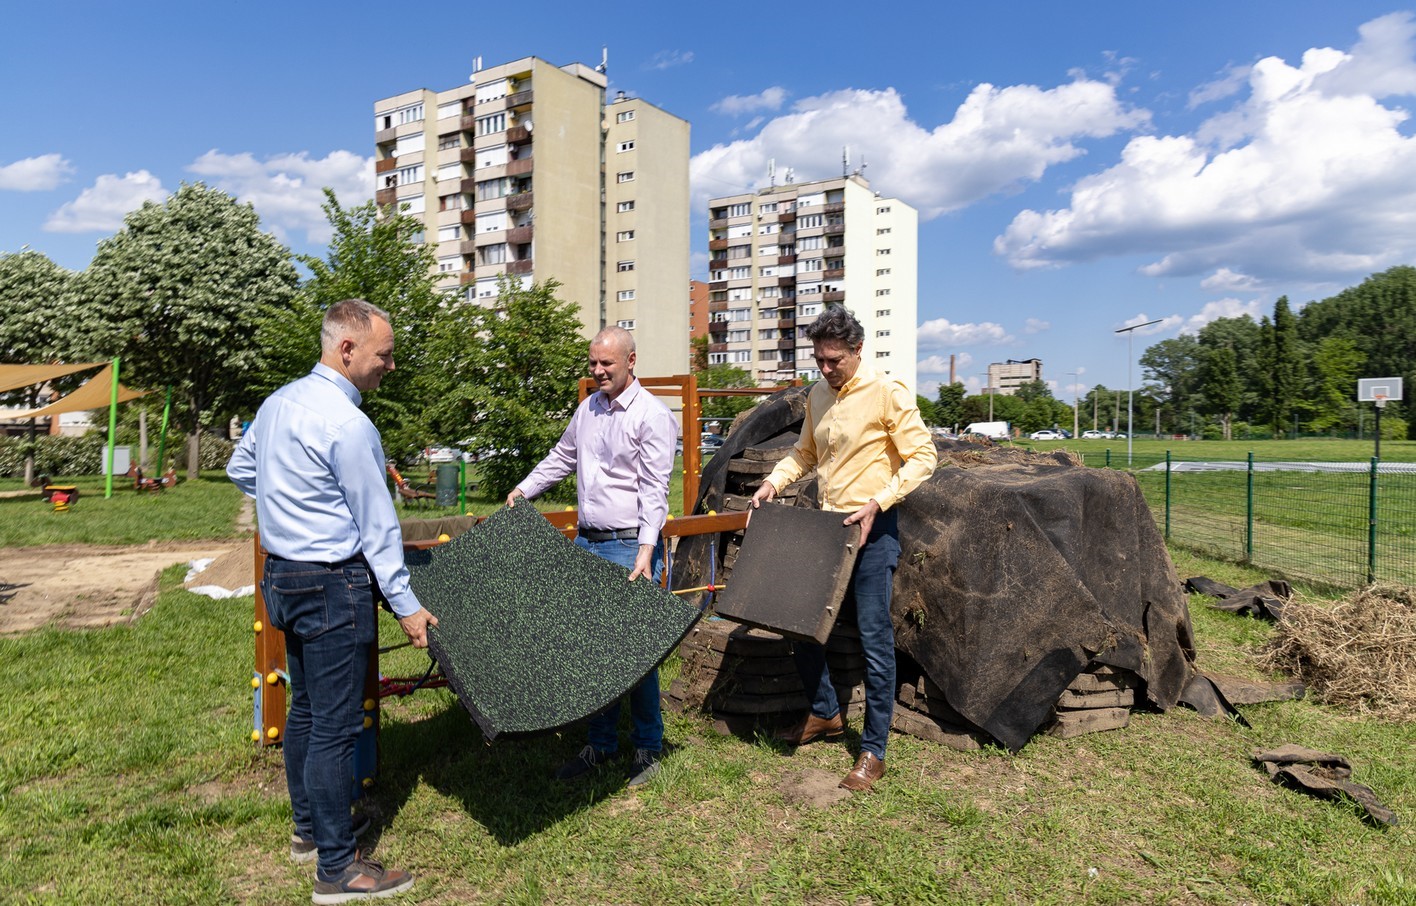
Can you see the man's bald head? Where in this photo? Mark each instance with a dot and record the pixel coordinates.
(612, 360)
(618, 339)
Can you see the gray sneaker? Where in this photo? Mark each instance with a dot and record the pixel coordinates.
(644, 767)
(303, 850)
(362, 879)
(588, 760)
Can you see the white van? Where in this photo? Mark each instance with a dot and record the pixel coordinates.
(990, 430)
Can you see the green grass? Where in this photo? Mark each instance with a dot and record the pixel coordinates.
(126, 776)
(201, 509)
(1150, 450)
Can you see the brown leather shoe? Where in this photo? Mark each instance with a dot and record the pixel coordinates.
(813, 728)
(868, 769)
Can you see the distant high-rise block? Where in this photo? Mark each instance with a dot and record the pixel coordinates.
(527, 170)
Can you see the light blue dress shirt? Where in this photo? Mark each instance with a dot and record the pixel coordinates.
(315, 465)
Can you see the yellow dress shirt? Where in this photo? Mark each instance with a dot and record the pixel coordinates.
(866, 441)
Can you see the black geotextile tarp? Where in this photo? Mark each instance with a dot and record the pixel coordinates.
(535, 633)
(1016, 571)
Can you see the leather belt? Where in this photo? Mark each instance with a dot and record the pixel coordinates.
(625, 534)
(356, 559)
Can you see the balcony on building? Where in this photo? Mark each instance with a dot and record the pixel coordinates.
(717, 347)
(519, 99)
(386, 135)
(830, 298)
(717, 264)
(784, 281)
(519, 235)
(718, 306)
(519, 167)
(467, 156)
(786, 259)
(786, 324)
(468, 217)
(717, 245)
(518, 135)
(714, 285)
(834, 273)
(466, 277)
(519, 202)
(788, 343)
(834, 229)
(384, 197)
(718, 224)
(521, 267)
(467, 247)
(835, 207)
(383, 166)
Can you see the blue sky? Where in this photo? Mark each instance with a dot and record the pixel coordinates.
(1078, 167)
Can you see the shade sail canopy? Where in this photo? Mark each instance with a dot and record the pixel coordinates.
(13, 377)
(534, 632)
(96, 393)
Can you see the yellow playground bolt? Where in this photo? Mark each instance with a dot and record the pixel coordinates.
(569, 508)
(670, 516)
(272, 677)
(258, 626)
(255, 683)
(255, 736)
(368, 722)
(444, 537)
(367, 782)
(273, 732)
(368, 704)
(712, 512)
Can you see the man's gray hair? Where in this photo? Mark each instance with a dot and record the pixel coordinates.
(621, 338)
(836, 323)
(346, 317)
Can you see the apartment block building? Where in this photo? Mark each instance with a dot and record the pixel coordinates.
(778, 256)
(1007, 377)
(526, 170)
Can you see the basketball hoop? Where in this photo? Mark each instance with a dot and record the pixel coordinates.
(1380, 399)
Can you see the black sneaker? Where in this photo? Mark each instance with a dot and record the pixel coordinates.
(644, 767)
(588, 760)
(363, 879)
(303, 850)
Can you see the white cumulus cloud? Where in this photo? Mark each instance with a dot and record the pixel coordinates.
(1036, 325)
(288, 189)
(102, 206)
(737, 104)
(667, 59)
(998, 140)
(1222, 308)
(939, 364)
(35, 174)
(1309, 177)
(943, 334)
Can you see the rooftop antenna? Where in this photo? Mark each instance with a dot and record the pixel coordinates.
(845, 160)
(772, 172)
(604, 59)
(790, 177)
(476, 68)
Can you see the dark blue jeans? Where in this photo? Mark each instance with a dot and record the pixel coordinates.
(329, 620)
(648, 721)
(871, 585)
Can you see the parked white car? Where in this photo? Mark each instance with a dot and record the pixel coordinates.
(1046, 434)
(1096, 435)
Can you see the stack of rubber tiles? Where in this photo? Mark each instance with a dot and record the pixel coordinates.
(746, 679)
(1100, 698)
(745, 475)
(921, 711)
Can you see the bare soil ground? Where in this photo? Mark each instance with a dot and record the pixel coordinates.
(82, 586)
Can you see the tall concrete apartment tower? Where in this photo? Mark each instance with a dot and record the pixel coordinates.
(527, 170)
(777, 257)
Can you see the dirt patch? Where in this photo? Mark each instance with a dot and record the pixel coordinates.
(812, 787)
(85, 586)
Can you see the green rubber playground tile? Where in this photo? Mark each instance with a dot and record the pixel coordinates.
(535, 633)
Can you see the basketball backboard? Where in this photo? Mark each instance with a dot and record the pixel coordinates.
(1380, 390)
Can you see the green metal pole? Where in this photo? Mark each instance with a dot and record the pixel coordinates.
(112, 430)
(461, 485)
(1249, 513)
(162, 444)
(1167, 495)
(1108, 458)
(1372, 523)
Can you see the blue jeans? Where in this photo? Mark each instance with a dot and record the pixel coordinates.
(648, 721)
(871, 585)
(329, 620)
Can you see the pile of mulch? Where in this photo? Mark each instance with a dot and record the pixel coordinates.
(1359, 653)
(232, 572)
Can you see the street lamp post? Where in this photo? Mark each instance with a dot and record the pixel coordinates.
(1076, 414)
(1130, 333)
(989, 375)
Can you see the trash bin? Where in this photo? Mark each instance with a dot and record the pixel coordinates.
(447, 484)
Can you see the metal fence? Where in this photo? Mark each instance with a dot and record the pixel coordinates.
(1342, 524)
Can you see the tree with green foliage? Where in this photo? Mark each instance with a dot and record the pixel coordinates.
(1287, 368)
(177, 293)
(698, 356)
(949, 405)
(726, 377)
(506, 378)
(1337, 363)
(1172, 367)
(374, 255)
(35, 329)
(1220, 387)
(926, 410)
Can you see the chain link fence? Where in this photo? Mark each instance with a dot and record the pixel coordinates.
(1340, 524)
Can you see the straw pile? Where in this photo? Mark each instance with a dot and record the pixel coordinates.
(1359, 653)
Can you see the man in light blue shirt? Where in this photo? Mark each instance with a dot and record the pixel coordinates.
(315, 465)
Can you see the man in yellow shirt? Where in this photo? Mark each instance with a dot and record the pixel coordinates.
(864, 436)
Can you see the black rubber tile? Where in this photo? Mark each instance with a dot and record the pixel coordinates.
(535, 633)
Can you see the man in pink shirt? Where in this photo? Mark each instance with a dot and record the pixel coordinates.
(620, 446)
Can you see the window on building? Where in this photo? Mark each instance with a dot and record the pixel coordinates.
(624, 236)
(450, 264)
(809, 264)
(410, 114)
(744, 355)
(882, 312)
(494, 156)
(408, 144)
(738, 336)
(767, 208)
(883, 210)
(491, 223)
(717, 358)
(413, 204)
(449, 172)
(739, 273)
(740, 210)
(624, 206)
(625, 146)
(450, 202)
(768, 333)
(625, 295)
(739, 251)
(450, 233)
(809, 221)
(448, 142)
(810, 243)
(882, 272)
(770, 292)
(624, 116)
(491, 91)
(492, 254)
(807, 311)
(625, 266)
(492, 188)
(882, 251)
(739, 314)
(883, 354)
(882, 333)
(491, 124)
(627, 324)
(882, 231)
(882, 292)
(625, 176)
